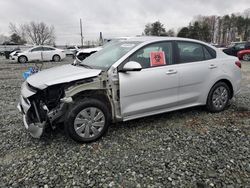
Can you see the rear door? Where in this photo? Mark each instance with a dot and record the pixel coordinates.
(196, 67)
(153, 89)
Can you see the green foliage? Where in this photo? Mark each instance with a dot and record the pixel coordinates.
(16, 39)
(184, 32)
(155, 29)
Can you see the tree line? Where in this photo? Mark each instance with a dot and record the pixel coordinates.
(220, 30)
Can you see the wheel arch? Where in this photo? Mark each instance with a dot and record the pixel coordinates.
(98, 94)
(56, 55)
(229, 84)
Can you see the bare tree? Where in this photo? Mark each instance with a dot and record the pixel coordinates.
(17, 30)
(36, 33)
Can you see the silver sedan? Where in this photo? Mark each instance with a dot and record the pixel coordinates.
(126, 80)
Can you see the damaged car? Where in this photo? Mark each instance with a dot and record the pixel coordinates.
(130, 79)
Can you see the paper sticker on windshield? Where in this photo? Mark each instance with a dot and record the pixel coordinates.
(157, 59)
(127, 45)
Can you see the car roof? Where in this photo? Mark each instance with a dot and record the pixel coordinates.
(157, 39)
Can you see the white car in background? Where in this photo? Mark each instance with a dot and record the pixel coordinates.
(71, 50)
(83, 53)
(40, 53)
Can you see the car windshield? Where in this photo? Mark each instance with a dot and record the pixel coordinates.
(111, 53)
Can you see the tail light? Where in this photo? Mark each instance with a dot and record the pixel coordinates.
(238, 63)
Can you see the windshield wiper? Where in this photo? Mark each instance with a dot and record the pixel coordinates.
(84, 65)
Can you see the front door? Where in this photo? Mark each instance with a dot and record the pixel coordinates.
(154, 89)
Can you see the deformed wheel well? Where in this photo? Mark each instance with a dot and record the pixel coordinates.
(94, 94)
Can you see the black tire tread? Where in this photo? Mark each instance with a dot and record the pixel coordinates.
(209, 105)
(76, 108)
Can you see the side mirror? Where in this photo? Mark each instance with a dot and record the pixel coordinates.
(131, 66)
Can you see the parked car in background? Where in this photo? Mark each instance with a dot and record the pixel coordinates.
(244, 55)
(8, 53)
(14, 53)
(40, 53)
(130, 79)
(83, 53)
(235, 47)
(71, 50)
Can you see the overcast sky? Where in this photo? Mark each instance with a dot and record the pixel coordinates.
(113, 17)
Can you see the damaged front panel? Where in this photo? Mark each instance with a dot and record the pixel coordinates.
(48, 106)
(98, 85)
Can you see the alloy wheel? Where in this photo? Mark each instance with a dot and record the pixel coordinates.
(220, 97)
(246, 57)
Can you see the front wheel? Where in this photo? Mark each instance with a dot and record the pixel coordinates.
(246, 57)
(22, 59)
(87, 121)
(218, 97)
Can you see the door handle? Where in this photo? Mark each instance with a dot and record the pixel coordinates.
(212, 66)
(171, 71)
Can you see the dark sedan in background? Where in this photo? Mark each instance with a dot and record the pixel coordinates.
(235, 47)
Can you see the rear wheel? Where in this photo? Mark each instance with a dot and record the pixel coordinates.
(246, 57)
(218, 97)
(88, 120)
(22, 59)
(56, 58)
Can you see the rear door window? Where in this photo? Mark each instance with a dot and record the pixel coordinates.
(190, 52)
(207, 54)
(48, 49)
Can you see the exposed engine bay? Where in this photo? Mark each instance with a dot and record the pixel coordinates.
(46, 108)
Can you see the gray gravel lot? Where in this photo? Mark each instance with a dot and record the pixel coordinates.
(186, 148)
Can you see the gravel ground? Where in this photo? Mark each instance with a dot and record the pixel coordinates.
(186, 148)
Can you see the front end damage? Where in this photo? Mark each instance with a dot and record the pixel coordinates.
(40, 108)
(45, 108)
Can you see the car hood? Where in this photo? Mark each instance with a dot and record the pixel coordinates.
(61, 74)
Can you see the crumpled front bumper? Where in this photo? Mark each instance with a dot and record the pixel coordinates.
(35, 129)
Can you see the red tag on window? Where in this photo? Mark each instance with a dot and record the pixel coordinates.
(157, 59)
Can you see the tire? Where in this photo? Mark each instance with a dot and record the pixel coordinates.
(56, 58)
(218, 97)
(246, 57)
(22, 59)
(87, 121)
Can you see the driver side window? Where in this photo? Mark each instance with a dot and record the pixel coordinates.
(157, 54)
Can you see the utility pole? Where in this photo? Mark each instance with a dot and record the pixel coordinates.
(100, 39)
(81, 32)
